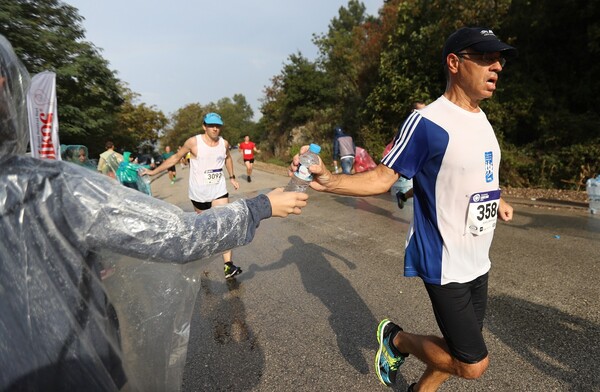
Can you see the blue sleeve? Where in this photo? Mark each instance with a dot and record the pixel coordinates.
(412, 145)
(336, 149)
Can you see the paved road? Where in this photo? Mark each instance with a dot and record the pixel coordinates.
(302, 316)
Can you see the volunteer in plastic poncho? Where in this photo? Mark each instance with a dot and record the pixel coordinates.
(127, 173)
(58, 330)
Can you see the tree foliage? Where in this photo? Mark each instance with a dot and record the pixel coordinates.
(138, 124)
(369, 71)
(187, 121)
(299, 95)
(544, 110)
(47, 35)
(237, 117)
(183, 124)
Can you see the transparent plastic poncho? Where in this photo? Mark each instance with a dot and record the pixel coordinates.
(97, 281)
(76, 154)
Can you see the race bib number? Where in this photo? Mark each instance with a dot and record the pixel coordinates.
(213, 176)
(483, 212)
(247, 152)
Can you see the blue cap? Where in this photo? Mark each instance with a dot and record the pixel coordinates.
(315, 148)
(213, 118)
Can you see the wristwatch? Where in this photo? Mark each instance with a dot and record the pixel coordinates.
(232, 177)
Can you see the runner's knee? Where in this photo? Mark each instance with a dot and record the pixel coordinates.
(471, 371)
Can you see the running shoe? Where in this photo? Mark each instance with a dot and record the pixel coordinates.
(388, 358)
(249, 179)
(231, 270)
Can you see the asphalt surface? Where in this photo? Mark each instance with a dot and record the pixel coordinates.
(303, 314)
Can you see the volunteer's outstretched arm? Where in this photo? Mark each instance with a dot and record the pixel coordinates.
(105, 215)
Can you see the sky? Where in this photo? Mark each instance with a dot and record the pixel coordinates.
(177, 52)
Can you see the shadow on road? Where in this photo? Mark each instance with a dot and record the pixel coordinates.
(239, 360)
(351, 320)
(560, 345)
(360, 203)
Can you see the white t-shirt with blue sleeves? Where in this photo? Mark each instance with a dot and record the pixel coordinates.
(453, 157)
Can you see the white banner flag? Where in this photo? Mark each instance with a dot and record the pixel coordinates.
(43, 118)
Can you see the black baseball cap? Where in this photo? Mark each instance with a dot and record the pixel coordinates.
(479, 39)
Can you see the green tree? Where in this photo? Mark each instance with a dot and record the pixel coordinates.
(237, 116)
(555, 77)
(139, 125)
(187, 122)
(183, 124)
(373, 69)
(47, 35)
(301, 94)
(411, 62)
(306, 89)
(343, 59)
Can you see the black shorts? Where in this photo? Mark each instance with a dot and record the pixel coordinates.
(205, 205)
(459, 309)
(249, 160)
(172, 169)
(132, 185)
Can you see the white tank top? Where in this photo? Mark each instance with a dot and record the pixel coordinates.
(207, 179)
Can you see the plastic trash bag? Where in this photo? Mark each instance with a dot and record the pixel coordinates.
(363, 161)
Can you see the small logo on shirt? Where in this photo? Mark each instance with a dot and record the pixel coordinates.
(480, 197)
(489, 166)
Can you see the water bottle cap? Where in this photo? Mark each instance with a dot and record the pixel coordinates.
(315, 148)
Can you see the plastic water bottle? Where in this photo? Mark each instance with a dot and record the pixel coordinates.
(593, 190)
(402, 185)
(302, 177)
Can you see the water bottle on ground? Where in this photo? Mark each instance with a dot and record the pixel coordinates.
(302, 177)
(593, 191)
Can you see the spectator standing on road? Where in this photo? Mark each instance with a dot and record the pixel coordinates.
(207, 187)
(450, 151)
(344, 150)
(59, 330)
(248, 149)
(172, 169)
(109, 160)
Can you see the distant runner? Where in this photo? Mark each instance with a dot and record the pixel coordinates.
(248, 149)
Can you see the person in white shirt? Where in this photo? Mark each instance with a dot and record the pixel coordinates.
(207, 187)
(450, 151)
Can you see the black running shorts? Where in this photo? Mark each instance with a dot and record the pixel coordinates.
(203, 206)
(459, 309)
